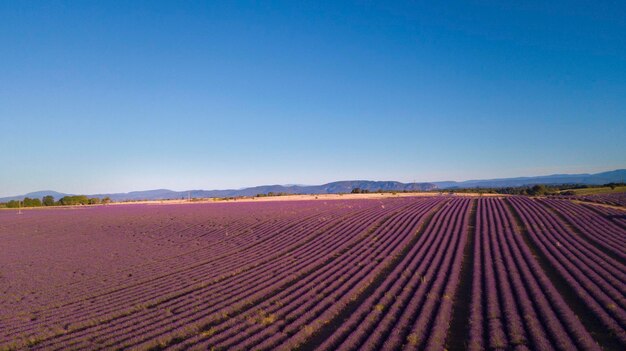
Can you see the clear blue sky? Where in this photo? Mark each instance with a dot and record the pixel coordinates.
(116, 96)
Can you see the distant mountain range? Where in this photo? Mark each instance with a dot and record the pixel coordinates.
(615, 176)
(347, 186)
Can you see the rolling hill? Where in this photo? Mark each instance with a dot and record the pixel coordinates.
(347, 186)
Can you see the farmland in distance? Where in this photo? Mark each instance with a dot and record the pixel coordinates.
(406, 273)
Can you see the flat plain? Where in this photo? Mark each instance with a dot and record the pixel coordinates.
(369, 273)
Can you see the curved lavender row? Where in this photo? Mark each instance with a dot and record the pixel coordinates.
(140, 298)
(596, 228)
(235, 296)
(85, 310)
(268, 283)
(381, 257)
(272, 280)
(316, 270)
(279, 304)
(604, 271)
(617, 216)
(418, 276)
(579, 283)
(366, 316)
(441, 325)
(491, 272)
(282, 300)
(290, 305)
(413, 327)
(517, 287)
(552, 323)
(618, 199)
(600, 268)
(65, 305)
(305, 314)
(539, 283)
(597, 270)
(160, 230)
(398, 320)
(593, 214)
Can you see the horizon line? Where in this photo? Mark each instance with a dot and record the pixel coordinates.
(320, 184)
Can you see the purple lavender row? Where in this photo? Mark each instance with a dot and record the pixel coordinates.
(477, 305)
(313, 254)
(360, 278)
(185, 311)
(487, 328)
(355, 330)
(140, 299)
(548, 322)
(267, 284)
(600, 268)
(66, 310)
(289, 299)
(107, 229)
(397, 320)
(603, 270)
(421, 279)
(560, 337)
(440, 328)
(617, 216)
(509, 320)
(152, 311)
(596, 215)
(536, 219)
(594, 227)
(617, 199)
(550, 302)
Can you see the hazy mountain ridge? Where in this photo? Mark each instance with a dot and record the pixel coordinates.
(615, 176)
(347, 186)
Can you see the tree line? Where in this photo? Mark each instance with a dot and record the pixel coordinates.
(70, 200)
(535, 190)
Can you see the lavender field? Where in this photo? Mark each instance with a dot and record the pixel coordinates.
(410, 273)
(616, 199)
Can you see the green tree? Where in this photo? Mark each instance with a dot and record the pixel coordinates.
(48, 200)
(74, 200)
(28, 202)
(538, 189)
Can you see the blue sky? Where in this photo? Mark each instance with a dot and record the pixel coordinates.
(121, 96)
